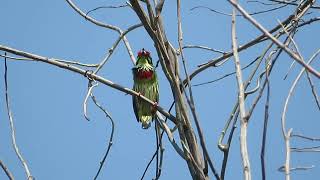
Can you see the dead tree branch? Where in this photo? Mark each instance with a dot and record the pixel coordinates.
(13, 131)
(243, 114)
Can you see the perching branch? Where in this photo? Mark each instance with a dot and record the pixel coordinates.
(80, 71)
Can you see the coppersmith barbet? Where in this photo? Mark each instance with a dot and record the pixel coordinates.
(145, 83)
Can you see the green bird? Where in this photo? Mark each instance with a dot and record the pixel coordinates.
(145, 83)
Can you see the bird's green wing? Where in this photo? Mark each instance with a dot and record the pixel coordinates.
(135, 108)
(134, 98)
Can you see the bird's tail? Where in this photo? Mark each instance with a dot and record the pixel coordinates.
(146, 121)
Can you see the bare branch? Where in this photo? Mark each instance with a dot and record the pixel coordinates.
(202, 47)
(206, 157)
(226, 75)
(257, 40)
(235, 111)
(59, 60)
(306, 149)
(159, 7)
(167, 130)
(265, 124)
(6, 170)
(292, 90)
(276, 41)
(108, 116)
(313, 90)
(148, 165)
(89, 93)
(111, 27)
(157, 150)
(107, 7)
(98, 23)
(243, 115)
(292, 3)
(305, 137)
(281, 169)
(226, 14)
(90, 75)
(226, 148)
(13, 132)
(114, 46)
(286, 134)
(159, 153)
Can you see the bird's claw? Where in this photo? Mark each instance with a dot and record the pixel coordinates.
(155, 105)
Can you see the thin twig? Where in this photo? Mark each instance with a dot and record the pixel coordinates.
(226, 148)
(268, 70)
(159, 147)
(6, 170)
(290, 67)
(235, 108)
(281, 169)
(13, 133)
(313, 90)
(104, 25)
(226, 75)
(226, 14)
(286, 134)
(167, 130)
(202, 47)
(306, 149)
(114, 46)
(59, 60)
(257, 40)
(107, 7)
(276, 41)
(292, 90)
(305, 137)
(107, 114)
(265, 125)
(89, 93)
(159, 7)
(154, 154)
(255, 89)
(92, 20)
(148, 165)
(263, 3)
(292, 3)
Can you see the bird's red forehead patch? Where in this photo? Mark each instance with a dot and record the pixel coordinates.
(144, 74)
(143, 53)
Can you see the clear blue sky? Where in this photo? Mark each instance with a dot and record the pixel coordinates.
(58, 143)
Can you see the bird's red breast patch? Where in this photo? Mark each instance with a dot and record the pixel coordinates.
(144, 74)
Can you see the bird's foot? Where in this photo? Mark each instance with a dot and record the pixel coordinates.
(154, 106)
